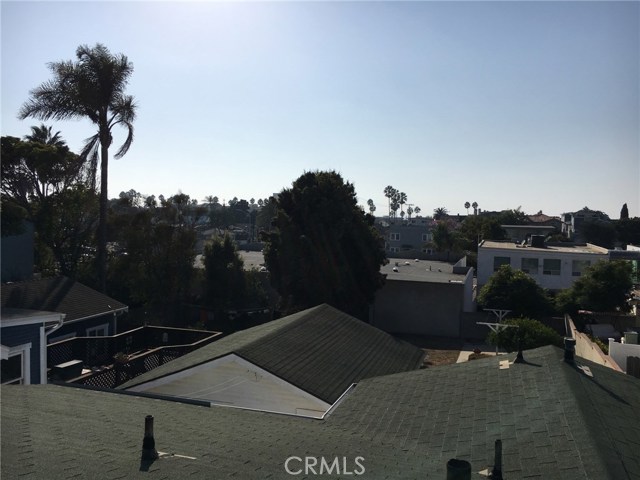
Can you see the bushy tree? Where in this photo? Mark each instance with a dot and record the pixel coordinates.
(598, 232)
(514, 290)
(603, 287)
(324, 247)
(225, 284)
(528, 334)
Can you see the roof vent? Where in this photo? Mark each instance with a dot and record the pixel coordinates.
(537, 241)
(569, 349)
(458, 469)
(149, 451)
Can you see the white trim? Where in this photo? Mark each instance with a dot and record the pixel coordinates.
(18, 316)
(25, 351)
(61, 338)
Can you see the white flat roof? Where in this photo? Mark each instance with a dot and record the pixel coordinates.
(588, 248)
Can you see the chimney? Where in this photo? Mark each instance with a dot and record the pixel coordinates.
(569, 349)
(458, 469)
(149, 451)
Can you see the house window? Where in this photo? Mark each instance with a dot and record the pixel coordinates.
(14, 370)
(428, 251)
(394, 249)
(530, 266)
(499, 261)
(426, 237)
(99, 331)
(394, 236)
(551, 266)
(579, 266)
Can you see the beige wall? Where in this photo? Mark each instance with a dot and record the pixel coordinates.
(588, 350)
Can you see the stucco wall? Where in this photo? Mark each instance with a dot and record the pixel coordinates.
(419, 308)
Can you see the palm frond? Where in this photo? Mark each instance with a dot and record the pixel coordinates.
(89, 155)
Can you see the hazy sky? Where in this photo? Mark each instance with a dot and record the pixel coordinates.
(531, 104)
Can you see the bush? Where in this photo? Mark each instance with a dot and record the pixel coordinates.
(531, 333)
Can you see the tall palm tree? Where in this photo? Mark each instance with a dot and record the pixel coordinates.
(467, 205)
(389, 192)
(93, 87)
(440, 213)
(43, 134)
(402, 199)
(475, 208)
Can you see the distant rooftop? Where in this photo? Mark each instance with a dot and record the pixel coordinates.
(588, 248)
(420, 271)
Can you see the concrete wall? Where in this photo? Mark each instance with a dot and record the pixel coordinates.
(620, 351)
(552, 282)
(419, 308)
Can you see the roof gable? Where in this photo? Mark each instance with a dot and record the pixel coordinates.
(320, 350)
(59, 294)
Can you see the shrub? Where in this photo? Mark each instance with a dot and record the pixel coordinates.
(530, 332)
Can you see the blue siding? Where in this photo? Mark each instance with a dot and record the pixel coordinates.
(21, 334)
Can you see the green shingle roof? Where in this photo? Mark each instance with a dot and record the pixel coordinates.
(320, 350)
(59, 294)
(555, 422)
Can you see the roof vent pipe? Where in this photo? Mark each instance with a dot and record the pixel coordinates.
(458, 469)
(149, 451)
(569, 349)
(496, 472)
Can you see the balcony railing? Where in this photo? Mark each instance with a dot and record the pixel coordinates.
(112, 360)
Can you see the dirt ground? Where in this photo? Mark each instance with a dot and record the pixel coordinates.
(439, 350)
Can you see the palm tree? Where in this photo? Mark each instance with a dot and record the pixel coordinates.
(467, 205)
(475, 208)
(440, 212)
(372, 207)
(417, 210)
(43, 134)
(402, 199)
(93, 88)
(389, 192)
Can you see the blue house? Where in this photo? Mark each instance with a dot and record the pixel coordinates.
(87, 312)
(23, 350)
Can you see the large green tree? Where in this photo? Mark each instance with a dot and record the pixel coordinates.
(225, 284)
(93, 87)
(514, 290)
(324, 247)
(603, 287)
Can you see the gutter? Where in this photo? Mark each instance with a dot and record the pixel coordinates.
(116, 311)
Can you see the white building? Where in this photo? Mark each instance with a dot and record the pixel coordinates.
(552, 267)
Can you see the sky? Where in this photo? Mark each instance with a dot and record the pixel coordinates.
(530, 105)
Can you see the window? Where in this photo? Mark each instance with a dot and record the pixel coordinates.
(579, 266)
(426, 237)
(394, 249)
(499, 261)
(427, 251)
(394, 236)
(99, 331)
(551, 266)
(530, 266)
(14, 369)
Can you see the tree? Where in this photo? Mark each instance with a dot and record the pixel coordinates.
(467, 205)
(402, 199)
(603, 287)
(443, 236)
(439, 213)
(389, 192)
(514, 290)
(42, 134)
(225, 284)
(475, 208)
(513, 217)
(93, 88)
(624, 212)
(372, 207)
(599, 232)
(528, 334)
(628, 231)
(324, 248)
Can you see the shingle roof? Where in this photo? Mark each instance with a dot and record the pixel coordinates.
(320, 350)
(59, 294)
(555, 422)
